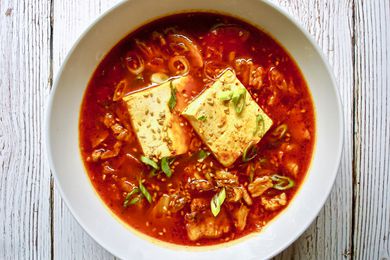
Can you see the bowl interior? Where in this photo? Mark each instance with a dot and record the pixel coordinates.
(63, 142)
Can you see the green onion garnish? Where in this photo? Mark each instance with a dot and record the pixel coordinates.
(135, 200)
(202, 118)
(202, 155)
(149, 162)
(165, 167)
(216, 202)
(259, 122)
(249, 152)
(238, 99)
(282, 182)
(172, 99)
(145, 192)
(127, 201)
(279, 131)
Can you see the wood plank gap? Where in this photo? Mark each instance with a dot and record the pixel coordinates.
(51, 87)
(354, 172)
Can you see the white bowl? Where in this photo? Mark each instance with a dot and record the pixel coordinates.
(63, 143)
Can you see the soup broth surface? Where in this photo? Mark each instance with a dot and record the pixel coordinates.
(177, 202)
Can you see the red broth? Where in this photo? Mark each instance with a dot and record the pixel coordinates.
(111, 151)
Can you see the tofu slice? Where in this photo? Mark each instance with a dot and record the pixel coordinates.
(157, 127)
(226, 132)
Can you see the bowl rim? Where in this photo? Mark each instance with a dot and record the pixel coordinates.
(291, 19)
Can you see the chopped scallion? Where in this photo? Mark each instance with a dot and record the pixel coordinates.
(145, 192)
(202, 155)
(152, 172)
(134, 200)
(259, 124)
(127, 201)
(279, 132)
(172, 99)
(282, 182)
(165, 167)
(238, 99)
(217, 201)
(202, 118)
(149, 162)
(249, 152)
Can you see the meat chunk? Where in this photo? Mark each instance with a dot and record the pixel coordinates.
(235, 194)
(200, 223)
(260, 185)
(205, 225)
(239, 216)
(199, 205)
(105, 153)
(200, 185)
(121, 133)
(247, 198)
(109, 120)
(235, 191)
(274, 203)
(224, 178)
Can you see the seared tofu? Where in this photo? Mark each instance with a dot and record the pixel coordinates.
(225, 128)
(157, 128)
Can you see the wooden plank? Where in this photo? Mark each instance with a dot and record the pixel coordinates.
(330, 24)
(372, 130)
(71, 17)
(24, 87)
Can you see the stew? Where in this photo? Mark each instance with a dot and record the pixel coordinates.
(197, 129)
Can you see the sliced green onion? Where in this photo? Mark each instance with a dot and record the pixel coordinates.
(149, 162)
(225, 95)
(165, 167)
(202, 155)
(217, 201)
(202, 118)
(134, 200)
(259, 122)
(145, 192)
(279, 131)
(128, 196)
(172, 99)
(238, 99)
(153, 172)
(282, 182)
(249, 152)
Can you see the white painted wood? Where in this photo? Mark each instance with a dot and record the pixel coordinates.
(372, 130)
(24, 87)
(330, 24)
(71, 17)
(353, 34)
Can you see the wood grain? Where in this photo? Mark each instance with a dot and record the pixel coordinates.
(354, 36)
(71, 18)
(330, 24)
(24, 87)
(372, 130)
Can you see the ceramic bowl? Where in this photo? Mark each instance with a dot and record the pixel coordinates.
(62, 135)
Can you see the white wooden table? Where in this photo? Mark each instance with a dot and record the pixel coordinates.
(35, 36)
